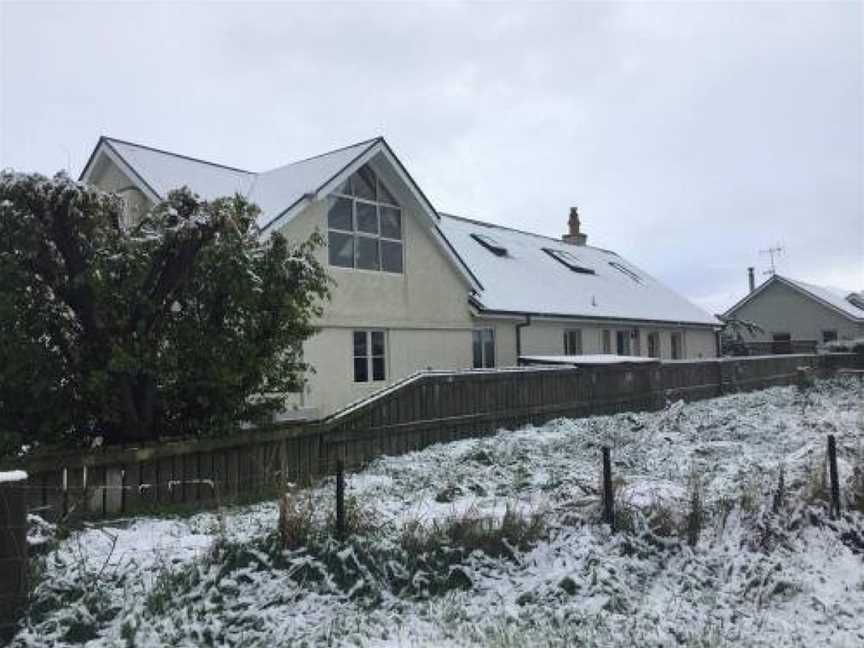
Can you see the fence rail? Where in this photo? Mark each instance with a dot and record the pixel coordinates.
(427, 408)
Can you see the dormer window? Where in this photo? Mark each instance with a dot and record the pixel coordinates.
(627, 271)
(364, 225)
(490, 244)
(568, 259)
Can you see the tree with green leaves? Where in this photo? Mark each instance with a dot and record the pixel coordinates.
(182, 323)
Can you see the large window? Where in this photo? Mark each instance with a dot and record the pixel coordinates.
(364, 225)
(484, 348)
(369, 360)
(829, 336)
(573, 342)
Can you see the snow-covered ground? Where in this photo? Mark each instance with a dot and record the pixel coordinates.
(755, 578)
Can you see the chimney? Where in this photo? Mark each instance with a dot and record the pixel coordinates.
(574, 236)
(751, 278)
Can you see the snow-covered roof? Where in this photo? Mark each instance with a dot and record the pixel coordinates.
(274, 191)
(840, 300)
(527, 278)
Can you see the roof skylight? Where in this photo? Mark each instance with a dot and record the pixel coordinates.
(627, 271)
(490, 244)
(568, 259)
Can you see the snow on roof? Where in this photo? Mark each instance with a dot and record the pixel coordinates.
(273, 191)
(834, 297)
(528, 279)
(164, 171)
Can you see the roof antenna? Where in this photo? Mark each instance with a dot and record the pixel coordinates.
(777, 250)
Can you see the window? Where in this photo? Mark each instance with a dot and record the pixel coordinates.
(829, 336)
(568, 259)
(607, 341)
(573, 342)
(627, 271)
(490, 244)
(369, 356)
(677, 346)
(364, 225)
(654, 345)
(622, 342)
(484, 348)
(781, 343)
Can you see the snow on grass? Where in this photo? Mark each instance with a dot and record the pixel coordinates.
(755, 578)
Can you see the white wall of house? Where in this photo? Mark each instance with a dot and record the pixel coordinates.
(546, 337)
(781, 309)
(423, 312)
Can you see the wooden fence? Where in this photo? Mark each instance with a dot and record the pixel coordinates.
(429, 407)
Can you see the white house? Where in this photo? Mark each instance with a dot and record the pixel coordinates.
(787, 309)
(417, 289)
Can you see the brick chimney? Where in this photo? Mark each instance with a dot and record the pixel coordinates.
(751, 279)
(574, 236)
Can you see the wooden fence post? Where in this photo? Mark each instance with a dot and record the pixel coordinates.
(14, 568)
(608, 497)
(835, 481)
(340, 499)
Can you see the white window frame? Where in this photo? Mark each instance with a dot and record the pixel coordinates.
(369, 357)
(570, 335)
(484, 360)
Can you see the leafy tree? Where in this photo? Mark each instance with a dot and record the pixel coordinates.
(183, 323)
(734, 334)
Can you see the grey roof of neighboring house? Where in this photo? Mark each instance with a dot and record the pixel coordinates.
(835, 298)
(528, 280)
(274, 191)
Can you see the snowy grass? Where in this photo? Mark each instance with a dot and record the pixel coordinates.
(496, 542)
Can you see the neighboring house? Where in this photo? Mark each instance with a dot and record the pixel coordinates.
(788, 310)
(415, 289)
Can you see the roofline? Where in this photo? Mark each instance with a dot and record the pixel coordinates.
(342, 170)
(126, 167)
(179, 155)
(459, 257)
(569, 316)
(519, 231)
(794, 285)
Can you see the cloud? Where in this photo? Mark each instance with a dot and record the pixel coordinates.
(690, 135)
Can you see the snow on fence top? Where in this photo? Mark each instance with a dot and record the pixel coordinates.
(589, 359)
(12, 476)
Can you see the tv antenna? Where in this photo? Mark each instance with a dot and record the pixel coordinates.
(772, 252)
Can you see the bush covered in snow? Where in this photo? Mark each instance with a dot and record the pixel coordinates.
(180, 323)
(714, 548)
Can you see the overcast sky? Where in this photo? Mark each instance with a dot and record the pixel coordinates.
(691, 136)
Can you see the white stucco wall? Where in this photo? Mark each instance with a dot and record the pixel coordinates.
(781, 309)
(424, 311)
(546, 337)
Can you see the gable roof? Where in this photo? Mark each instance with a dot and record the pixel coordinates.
(528, 279)
(274, 191)
(833, 298)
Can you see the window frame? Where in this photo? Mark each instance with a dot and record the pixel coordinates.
(653, 339)
(568, 260)
(606, 341)
(626, 347)
(356, 233)
(569, 335)
(826, 338)
(676, 350)
(484, 360)
(370, 356)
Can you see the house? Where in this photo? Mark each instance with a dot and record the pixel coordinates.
(791, 312)
(417, 289)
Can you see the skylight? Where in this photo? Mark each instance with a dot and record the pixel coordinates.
(569, 259)
(490, 244)
(627, 271)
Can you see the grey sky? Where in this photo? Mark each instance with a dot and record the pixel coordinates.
(690, 135)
